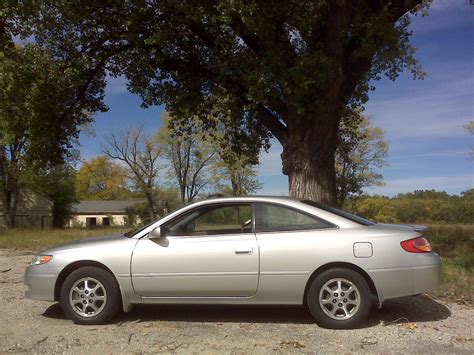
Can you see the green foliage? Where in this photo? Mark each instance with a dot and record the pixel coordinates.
(40, 108)
(102, 179)
(361, 151)
(57, 184)
(454, 241)
(455, 244)
(44, 101)
(420, 206)
(378, 209)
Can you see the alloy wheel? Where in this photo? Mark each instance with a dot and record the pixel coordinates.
(87, 297)
(339, 299)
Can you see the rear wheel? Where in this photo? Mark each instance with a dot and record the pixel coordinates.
(339, 298)
(90, 295)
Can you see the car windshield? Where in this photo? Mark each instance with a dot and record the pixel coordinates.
(347, 215)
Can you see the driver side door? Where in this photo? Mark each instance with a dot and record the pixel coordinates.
(210, 251)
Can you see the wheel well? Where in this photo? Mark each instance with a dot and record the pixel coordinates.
(356, 268)
(72, 267)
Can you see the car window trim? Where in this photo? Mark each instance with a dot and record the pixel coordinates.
(334, 226)
(224, 204)
(249, 234)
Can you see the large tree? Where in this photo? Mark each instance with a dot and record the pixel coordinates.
(299, 65)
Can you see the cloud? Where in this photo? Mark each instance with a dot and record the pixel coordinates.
(442, 5)
(435, 109)
(442, 16)
(444, 153)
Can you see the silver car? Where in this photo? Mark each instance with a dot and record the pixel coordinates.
(241, 250)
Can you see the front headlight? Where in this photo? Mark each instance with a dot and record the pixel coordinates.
(41, 259)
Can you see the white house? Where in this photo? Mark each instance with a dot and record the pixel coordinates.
(101, 213)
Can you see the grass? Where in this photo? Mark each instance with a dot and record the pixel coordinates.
(35, 239)
(455, 244)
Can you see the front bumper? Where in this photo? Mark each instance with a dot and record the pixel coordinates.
(40, 282)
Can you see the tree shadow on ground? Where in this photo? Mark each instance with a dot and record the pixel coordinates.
(409, 309)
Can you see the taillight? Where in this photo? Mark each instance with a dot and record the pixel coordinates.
(416, 245)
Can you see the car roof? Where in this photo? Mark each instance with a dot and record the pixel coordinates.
(268, 198)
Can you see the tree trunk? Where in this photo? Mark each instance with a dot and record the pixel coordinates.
(308, 160)
(10, 202)
(234, 181)
(151, 206)
(182, 191)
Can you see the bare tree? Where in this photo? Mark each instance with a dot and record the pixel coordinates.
(190, 155)
(140, 154)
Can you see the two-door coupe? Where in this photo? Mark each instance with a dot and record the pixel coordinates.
(241, 250)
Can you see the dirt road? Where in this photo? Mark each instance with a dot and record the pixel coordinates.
(424, 325)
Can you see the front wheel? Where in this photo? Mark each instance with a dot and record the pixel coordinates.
(90, 295)
(339, 298)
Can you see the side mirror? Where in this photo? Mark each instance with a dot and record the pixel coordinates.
(155, 233)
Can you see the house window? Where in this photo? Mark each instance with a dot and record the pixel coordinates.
(91, 222)
(106, 221)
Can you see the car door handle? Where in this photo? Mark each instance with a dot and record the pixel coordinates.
(243, 251)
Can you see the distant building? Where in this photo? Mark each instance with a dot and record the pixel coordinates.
(33, 211)
(91, 214)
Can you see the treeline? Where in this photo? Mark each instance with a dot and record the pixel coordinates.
(420, 206)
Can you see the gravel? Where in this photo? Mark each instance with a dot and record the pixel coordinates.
(417, 324)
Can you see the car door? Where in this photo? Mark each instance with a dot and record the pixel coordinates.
(210, 251)
(291, 243)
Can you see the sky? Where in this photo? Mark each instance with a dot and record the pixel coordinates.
(423, 119)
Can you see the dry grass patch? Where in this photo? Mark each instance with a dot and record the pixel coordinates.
(35, 239)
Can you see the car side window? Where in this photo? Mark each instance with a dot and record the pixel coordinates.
(277, 218)
(212, 220)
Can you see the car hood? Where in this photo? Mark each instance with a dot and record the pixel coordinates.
(85, 243)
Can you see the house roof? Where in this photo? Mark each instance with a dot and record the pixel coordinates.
(105, 207)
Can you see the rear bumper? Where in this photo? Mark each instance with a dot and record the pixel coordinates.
(39, 283)
(426, 273)
(423, 276)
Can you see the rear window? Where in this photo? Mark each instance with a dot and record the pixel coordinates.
(347, 215)
(278, 218)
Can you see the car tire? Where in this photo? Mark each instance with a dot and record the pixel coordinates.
(90, 295)
(339, 298)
